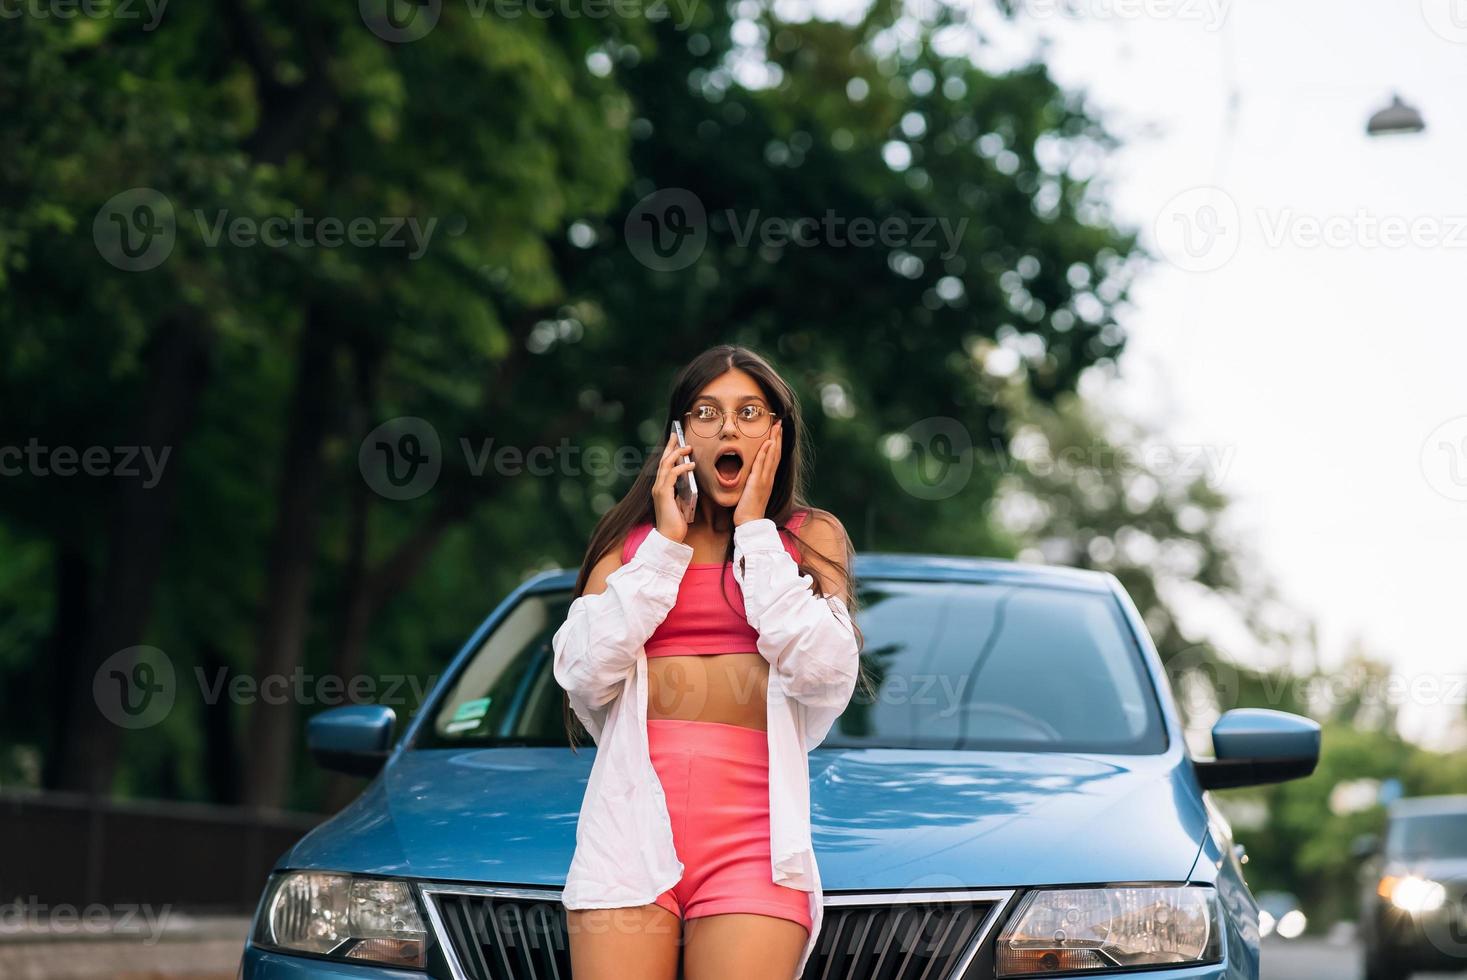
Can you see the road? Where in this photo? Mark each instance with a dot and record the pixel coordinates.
(1316, 959)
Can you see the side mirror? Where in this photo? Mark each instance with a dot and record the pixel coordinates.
(1364, 846)
(354, 739)
(1254, 746)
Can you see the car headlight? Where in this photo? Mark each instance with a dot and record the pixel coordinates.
(343, 916)
(1063, 930)
(1413, 893)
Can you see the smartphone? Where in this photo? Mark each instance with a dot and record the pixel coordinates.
(686, 488)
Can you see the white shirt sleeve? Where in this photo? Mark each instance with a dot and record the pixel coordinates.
(808, 639)
(598, 643)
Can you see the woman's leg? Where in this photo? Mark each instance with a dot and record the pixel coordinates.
(614, 944)
(738, 945)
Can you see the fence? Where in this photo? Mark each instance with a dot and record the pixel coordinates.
(72, 848)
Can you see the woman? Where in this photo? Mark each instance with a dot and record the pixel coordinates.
(706, 654)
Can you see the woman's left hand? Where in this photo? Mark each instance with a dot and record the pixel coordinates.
(755, 498)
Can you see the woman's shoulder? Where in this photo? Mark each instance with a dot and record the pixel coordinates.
(817, 519)
(634, 539)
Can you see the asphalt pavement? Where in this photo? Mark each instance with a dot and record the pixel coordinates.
(1320, 959)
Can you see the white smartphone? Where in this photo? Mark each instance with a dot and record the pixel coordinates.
(686, 488)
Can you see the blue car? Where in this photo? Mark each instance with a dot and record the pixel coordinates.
(1017, 801)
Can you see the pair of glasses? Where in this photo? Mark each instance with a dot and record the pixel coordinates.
(752, 420)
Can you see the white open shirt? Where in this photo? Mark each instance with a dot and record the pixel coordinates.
(624, 848)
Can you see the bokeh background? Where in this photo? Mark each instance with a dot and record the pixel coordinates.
(324, 325)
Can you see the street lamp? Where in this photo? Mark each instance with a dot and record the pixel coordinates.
(1398, 117)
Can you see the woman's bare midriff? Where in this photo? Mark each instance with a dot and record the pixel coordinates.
(724, 687)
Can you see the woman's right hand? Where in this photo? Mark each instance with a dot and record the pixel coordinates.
(672, 523)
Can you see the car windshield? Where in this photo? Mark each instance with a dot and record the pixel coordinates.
(1428, 835)
(954, 665)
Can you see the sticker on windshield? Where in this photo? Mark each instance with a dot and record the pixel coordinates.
(476, 708)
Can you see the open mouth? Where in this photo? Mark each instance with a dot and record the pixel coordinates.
(729, 464)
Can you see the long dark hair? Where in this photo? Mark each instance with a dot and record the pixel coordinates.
(786, 497)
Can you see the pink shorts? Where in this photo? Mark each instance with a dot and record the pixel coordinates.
(716, 780)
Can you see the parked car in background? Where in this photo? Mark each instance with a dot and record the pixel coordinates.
(1413, 894)
(1018, 801)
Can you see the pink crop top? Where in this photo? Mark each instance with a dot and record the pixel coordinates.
(702, 620)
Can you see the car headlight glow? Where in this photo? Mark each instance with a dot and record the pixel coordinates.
(1292, 924)
(349, 917)
(1065, 930)
(1413, 893)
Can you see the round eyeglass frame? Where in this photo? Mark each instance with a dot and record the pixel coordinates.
(738, 422)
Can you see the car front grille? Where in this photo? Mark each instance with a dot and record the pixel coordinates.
(492, 933)
(902, 935)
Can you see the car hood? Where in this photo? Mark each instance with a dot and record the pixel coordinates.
(881, 818)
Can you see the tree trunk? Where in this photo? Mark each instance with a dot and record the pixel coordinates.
(67, 660)
(289, 572)
(140, 522)
(221, 757)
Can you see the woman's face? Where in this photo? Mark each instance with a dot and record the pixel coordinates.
(731, 392)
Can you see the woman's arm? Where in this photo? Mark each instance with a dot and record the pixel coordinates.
(616, 614)
(807, 638)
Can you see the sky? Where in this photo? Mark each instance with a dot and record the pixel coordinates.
(1305, 318)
